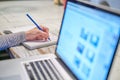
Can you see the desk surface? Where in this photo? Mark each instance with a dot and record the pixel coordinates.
(13, 14)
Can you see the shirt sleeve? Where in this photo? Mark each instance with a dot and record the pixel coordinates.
(10, 40)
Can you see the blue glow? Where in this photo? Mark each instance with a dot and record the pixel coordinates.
(88, 40)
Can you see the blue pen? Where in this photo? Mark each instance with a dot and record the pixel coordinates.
(34, 23)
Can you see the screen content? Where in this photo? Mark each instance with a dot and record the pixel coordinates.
(88, 40)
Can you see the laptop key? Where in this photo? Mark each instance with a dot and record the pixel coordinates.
(29, 72)
(44, 71)
(50, 71)
(56, 73)
(40, 71)
(42, 62)
(34, 69)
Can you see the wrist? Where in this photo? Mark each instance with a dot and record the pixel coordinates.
(27, 34)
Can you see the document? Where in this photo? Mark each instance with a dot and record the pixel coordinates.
(37, 43)
(40, 43)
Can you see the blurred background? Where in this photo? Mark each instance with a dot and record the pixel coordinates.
(111, 3)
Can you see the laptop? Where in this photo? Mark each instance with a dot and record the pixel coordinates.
(87, 44)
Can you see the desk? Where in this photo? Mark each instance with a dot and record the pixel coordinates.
(22, 52)
(12, 14)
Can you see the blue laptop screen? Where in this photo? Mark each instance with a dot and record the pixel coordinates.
(88, 41)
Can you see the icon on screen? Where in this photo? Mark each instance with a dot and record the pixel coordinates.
(84, 34)
(90, 55)
(94, 40)
(80, 48)
(86, 70)
(77, 61)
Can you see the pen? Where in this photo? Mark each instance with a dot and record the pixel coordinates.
(35, 23)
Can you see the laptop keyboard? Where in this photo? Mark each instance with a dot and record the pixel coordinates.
(42, 70)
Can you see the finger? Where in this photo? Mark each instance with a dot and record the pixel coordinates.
(42, 35)
(45, 29)
(39, 37)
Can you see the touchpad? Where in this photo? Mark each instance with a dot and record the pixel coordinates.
(14, 77)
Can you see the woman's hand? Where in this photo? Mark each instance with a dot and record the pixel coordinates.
(36, 34)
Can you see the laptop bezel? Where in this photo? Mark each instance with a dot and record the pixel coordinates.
(95, 6)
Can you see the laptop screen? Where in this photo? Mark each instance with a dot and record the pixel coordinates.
(88, 40)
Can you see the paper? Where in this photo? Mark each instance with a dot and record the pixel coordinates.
(37, 43)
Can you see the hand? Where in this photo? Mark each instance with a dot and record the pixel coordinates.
(64, 3)
(36, 34)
